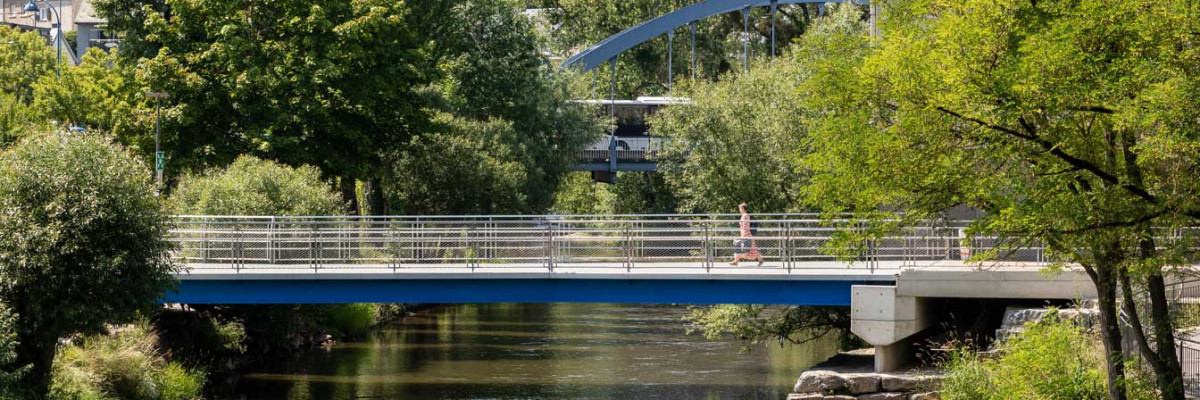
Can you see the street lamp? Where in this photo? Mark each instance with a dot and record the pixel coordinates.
(32, 7)
(159, 162)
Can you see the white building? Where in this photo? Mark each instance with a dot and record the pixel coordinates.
(77, 15)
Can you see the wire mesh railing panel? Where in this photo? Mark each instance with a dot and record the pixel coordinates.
(626, 241)
(1189, 359)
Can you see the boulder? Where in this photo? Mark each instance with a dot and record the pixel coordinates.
(838, 397)
(805, 396)
(884, 396)
(820, 381)
(909, 384)
(925, 396)
(859, 384)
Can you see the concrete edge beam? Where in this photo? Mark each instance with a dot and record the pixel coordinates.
(1000, 284)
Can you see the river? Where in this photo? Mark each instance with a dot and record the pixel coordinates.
(537, 351)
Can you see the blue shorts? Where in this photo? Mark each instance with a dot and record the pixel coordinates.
(741, 246)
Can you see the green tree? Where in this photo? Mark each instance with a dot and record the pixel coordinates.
(303, 82)
(736, 141)
(472, 167)
(23, 59)
(502, 121)
(633, 193)
(1056, 118)
(99, 95)
(252, 186)
(82, 243)
(578, 194)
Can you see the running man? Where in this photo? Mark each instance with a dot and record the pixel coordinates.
(745, 247)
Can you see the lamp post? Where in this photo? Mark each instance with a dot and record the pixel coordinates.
(159, 161)
(32, 7)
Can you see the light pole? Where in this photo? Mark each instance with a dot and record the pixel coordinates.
(31, 7)
(159, 161)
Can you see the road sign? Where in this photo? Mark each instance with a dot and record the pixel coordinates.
(158, 161)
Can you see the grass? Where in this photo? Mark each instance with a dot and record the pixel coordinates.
(123, 365)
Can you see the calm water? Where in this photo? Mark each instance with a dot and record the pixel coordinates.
(538, 351)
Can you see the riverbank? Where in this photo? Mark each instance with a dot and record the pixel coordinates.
(850, 376)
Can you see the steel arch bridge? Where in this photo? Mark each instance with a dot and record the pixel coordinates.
(608, 49)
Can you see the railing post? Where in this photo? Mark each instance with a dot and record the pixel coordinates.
(204, 228)
(271, 242)
(629, 246)
(233, 252)
(787, 244)
(707, 247)
(549, 245)
(395, 241)
(317, 248)
(473, 246)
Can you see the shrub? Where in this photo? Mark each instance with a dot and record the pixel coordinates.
(121, 365)
(1052, 359)
(350, 320)
(252, 186)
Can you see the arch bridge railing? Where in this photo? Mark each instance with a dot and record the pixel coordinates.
(786, 241)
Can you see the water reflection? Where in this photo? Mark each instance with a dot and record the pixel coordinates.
(537, 351)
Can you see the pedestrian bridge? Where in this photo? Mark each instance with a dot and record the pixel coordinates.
(579, 258)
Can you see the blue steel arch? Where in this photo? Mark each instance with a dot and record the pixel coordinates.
(610, 47)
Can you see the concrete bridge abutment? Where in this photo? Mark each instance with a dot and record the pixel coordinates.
(888, 322)
(889, 317)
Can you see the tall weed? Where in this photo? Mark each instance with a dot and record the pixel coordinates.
(1051, 359)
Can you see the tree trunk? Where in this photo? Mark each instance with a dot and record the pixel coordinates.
(39, 356)
(376, 203)
(350, 195)
(1105, 280)
(1170, 375)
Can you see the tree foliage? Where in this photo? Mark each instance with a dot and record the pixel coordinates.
(1064, 121)
(82, 240)
(302, 82)
(25, 57)
(97, 95)
(10, 371)
(759, 323)
(733, 144)
(502, 121)
(252, 186)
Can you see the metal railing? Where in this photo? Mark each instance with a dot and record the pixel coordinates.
(1189, 359)
(624, 149)
(785, 241)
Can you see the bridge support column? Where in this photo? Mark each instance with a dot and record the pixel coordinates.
(888, 321)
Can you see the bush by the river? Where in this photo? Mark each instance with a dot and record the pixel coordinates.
(10, 373)
(125, 364)
(1051, 359)
(252, 186)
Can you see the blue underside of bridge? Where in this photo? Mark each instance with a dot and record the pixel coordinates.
(785, 292)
